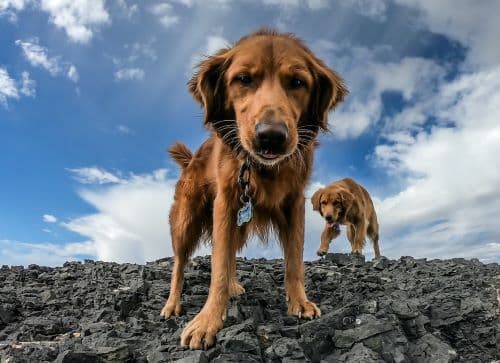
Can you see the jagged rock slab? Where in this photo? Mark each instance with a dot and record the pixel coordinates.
(407, 310)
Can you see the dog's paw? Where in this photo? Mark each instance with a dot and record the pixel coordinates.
(321, 252)
(172, 307)
(200, 332)
(304, 309)
(235, 289)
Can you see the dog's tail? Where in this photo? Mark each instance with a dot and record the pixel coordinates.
(181, 154)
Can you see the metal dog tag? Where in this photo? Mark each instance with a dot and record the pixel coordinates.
(245, 214)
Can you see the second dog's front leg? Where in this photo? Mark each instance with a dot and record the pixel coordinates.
(200, 332)
(329, 234)
(292, 239)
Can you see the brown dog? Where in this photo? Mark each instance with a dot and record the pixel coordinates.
(346, 202)
(265, 99)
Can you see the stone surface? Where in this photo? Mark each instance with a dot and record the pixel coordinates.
(406, 310)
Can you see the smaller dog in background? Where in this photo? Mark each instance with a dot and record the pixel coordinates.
(348, 203)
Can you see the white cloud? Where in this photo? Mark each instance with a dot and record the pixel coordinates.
(8, 88)
(375, 9)
(145, 50)
(129, 74)
(9, 8)
(413, 78)
(450, 197)
(49, 218)
(79, 18)
(471, 23)
(38, 56)
(213, 43)
(73, 73)
(122, 129)
(131, 222)
(27, 85)
(44, 254)
(129, 10)
(165, 13)
(95, 175)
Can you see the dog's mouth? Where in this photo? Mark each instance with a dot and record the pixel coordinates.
(268, 155)
(333, 225)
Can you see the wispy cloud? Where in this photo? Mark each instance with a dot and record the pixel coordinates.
(73, 74)
(95, 175)
(49, 218)
(10, 88)
(129, 10)
(9, 8)
(129, 74)
(38, 56)
(165, 13)
(122, 129)
(44, 254)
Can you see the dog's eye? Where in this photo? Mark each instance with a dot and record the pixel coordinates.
(297, 83)
(244, 79)
(323, 202)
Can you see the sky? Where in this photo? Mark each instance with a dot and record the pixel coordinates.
(92, 93)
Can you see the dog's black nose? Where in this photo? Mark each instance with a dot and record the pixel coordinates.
(271, 137)
(329, 218)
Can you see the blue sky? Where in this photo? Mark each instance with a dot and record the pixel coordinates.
(92, 92)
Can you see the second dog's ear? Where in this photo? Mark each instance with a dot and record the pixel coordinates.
(208, 88)
(315, 200)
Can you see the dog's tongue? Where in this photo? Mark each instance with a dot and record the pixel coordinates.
(268, 155)
(333, 225)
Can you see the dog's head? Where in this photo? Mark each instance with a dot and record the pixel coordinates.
(267, 94)
(333, 204)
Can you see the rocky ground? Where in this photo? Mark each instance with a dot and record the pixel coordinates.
(380, 311)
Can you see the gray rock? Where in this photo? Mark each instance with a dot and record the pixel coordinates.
(381, 310)
(366, 326)
(359, 353)
(431, 349)
(380, 263)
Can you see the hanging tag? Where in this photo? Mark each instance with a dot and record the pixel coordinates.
(245, 213)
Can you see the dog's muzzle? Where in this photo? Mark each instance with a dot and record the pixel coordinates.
(270, 139)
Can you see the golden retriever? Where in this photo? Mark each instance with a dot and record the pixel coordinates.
(265, 100)
(348, 203)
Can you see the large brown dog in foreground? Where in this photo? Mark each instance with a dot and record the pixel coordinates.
(265, 99)
(346, 202)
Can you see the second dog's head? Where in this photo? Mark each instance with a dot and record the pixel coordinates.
(268, 94)
(333, 203)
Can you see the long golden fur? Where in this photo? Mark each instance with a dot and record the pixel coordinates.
(265, 99)
(346, 202)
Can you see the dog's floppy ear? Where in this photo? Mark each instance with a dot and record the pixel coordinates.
(328, 91)
(315, 199)
(207, 86)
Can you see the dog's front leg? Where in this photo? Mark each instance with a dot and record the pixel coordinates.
(200, 332)
(292, 240)
(329, 234)
(359, 232)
